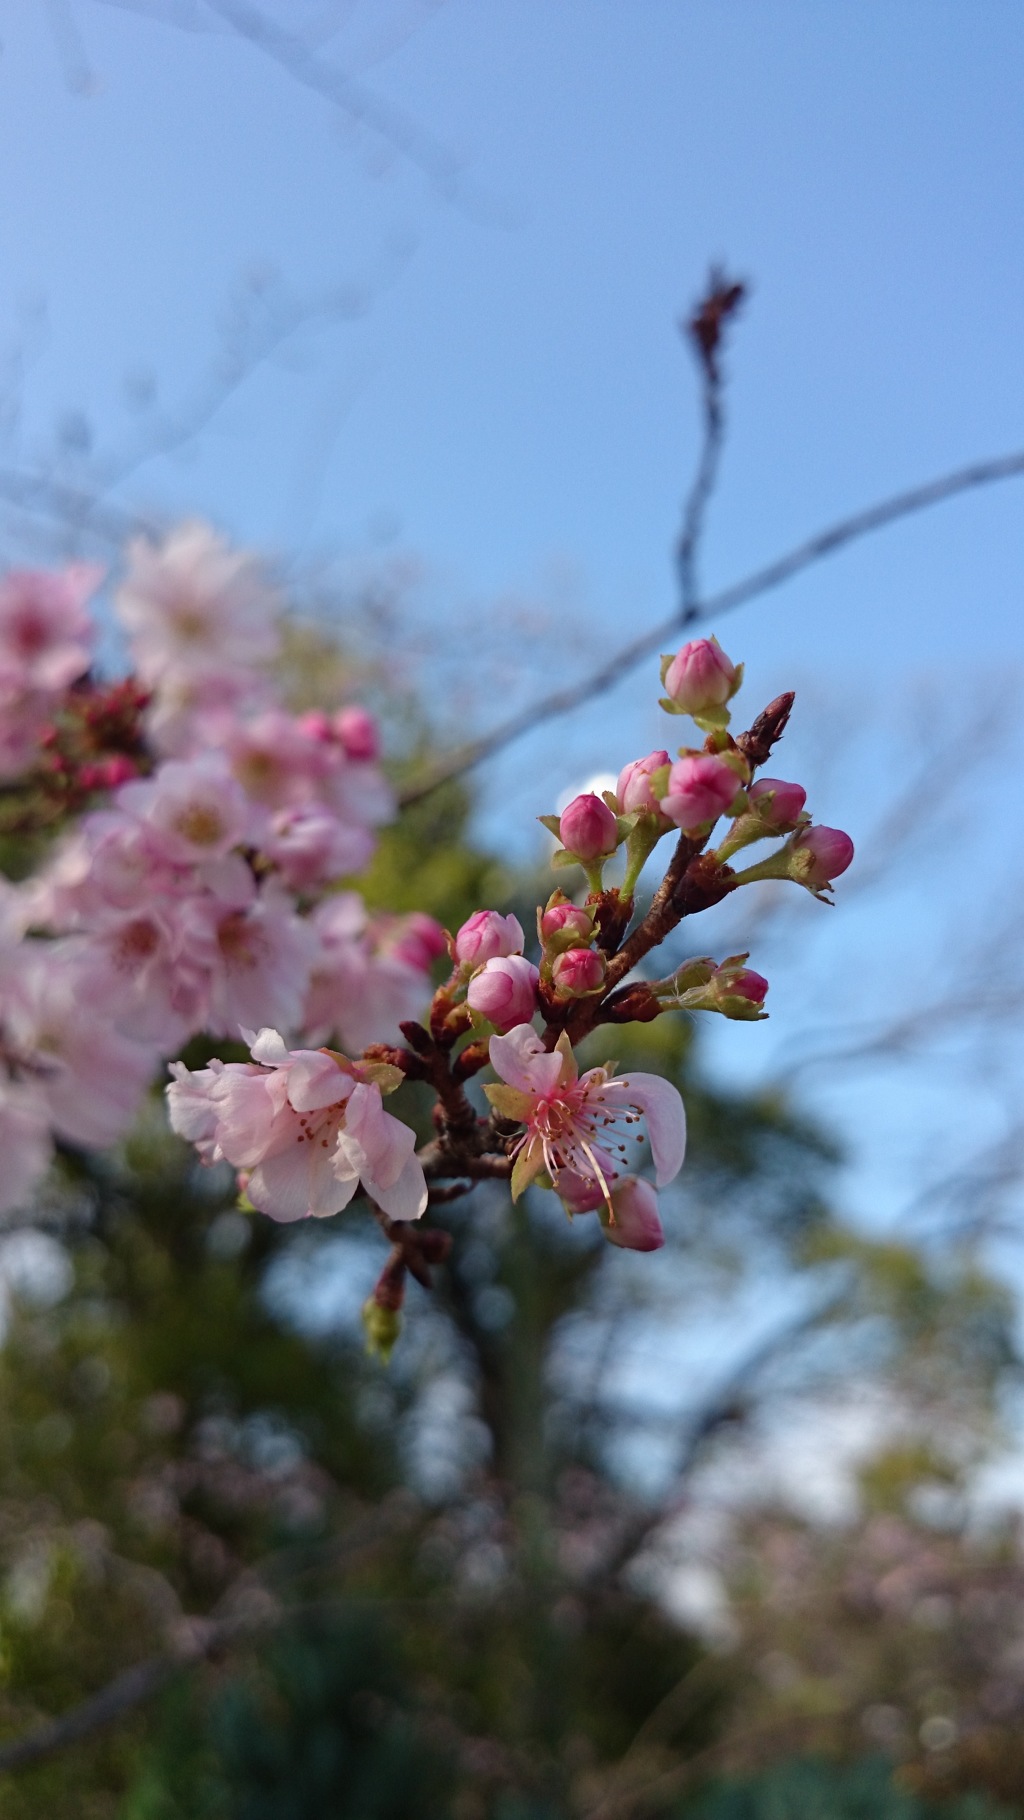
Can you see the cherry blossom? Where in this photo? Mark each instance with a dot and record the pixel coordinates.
(307, 1126)
(569, 1117)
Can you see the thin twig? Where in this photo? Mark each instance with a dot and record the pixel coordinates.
(761, 581)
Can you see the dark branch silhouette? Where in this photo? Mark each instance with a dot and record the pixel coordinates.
(761, 581)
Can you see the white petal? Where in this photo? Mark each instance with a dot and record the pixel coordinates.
(665, 1113)
(406, 1198)
(269, 1048)
(522, 1060)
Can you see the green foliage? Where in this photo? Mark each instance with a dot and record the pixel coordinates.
(816, 1790)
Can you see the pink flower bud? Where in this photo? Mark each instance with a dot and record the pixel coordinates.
(578, 972)
(634, 785)
(700, 677)
(118, 770)
(565, 925)
(505, 992)
(357, 731)
(420, 941)
(700, 789)
(588, 829)
(831, 852)
(786, 803)
(636, 1225)
(743, 983)
(485, 936)
(316, 725)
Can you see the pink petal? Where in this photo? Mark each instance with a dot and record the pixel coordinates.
(665, 1113)
(406, 1197)
(316, 1081)
(298, 1182)
(522, 1060)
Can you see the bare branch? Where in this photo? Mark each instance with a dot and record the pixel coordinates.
(705, 330)
(761, 581)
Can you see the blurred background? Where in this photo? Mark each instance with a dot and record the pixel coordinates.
(391, 292)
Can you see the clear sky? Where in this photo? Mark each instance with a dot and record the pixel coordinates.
(510, 405)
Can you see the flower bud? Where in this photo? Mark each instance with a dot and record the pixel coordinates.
(699, 681)
(485, 936)
(357, 730)
(382, 1327)
(419, 942)
(819, 855)
(315, 725)
(588, 829)
(746, 984)
(700, 789)
(634, 785)
(578, 972)
(564, 925)
(780, 805)
(505, 992)
(633, 1222)
(729, 987)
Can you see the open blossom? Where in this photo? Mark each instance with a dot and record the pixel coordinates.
(195, 807)
(45, 633)
(572, 1119)
(194, 607)
(368, 975)
(307, 1126)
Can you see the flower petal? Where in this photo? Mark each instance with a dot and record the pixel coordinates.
(522, 1060)
(298, 1182)
(665, 1113)
(406, 1197)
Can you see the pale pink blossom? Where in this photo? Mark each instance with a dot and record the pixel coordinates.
(259, 960)
(363, 983)
(588, 829)
(25, 1142)
(45, 633)
(417, 940)
(195, 806)
(634, 785)
(279, 760)
(505, 991)
(700, 789)
(311, 847)
(307, 1126)
(700, 679)
(193, 607)
(90, 1078)
(141, 971)
(485, 936)
(572, 1119)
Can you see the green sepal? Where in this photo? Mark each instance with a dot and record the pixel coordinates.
(510, 1102)
(553, 824)
(382, 1327)
(383, 1075)
(525, 1170)
(562, 858)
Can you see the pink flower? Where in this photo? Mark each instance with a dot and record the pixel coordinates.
(45, 633)
(307, 1126)
(633, 1221)
(195, 608)
(487, 936)
(363, 983)
(588, 829)
(781, 805)
(311, 847)
(571, 1120)
(700, 679)
(820, 855)
(259, 959)
(357, 731)
(634, 785)
(700, 789)
(578, 972)
(25, 1142)
(505, 991)
(195, 806)
(417, 940)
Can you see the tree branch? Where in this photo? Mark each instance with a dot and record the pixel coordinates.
(824, 543)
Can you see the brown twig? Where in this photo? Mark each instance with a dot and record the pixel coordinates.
(761, 581)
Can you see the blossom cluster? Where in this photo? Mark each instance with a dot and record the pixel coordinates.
(197, 891)
(203, 881)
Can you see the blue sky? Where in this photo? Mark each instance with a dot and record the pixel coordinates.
(510, 406)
